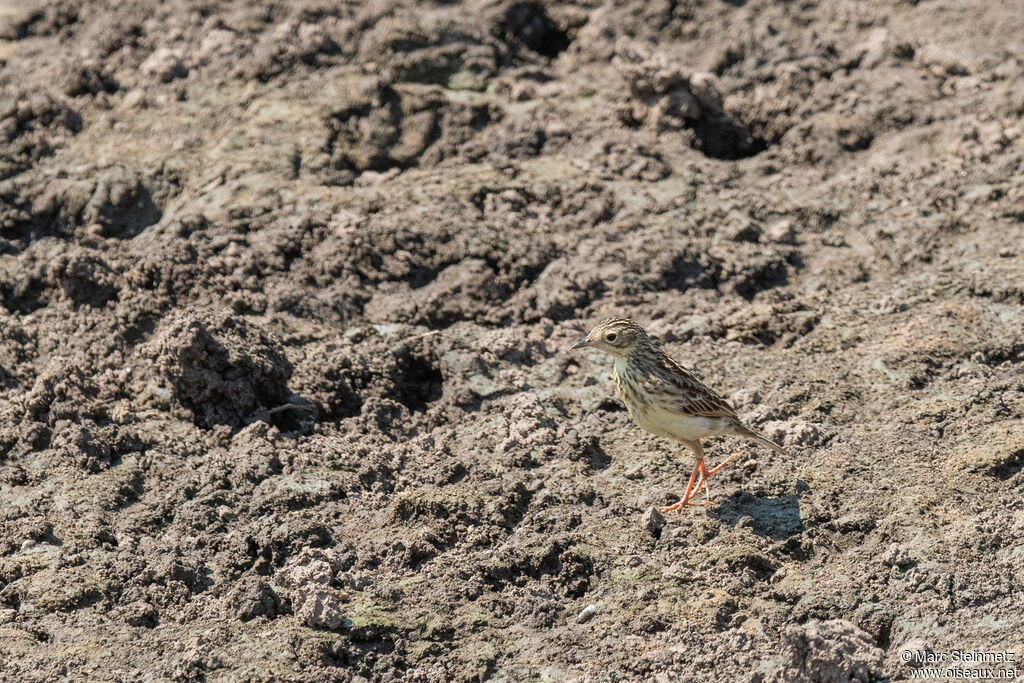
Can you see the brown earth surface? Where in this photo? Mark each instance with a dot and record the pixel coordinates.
(286, 291)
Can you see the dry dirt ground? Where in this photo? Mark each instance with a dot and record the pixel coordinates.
(286, 291)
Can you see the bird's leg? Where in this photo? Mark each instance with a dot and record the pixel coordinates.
(726, 461)
(705, 473)
(689, 491)
(700, 467)
(704, 476)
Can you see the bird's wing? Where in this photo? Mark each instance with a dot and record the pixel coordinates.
(674, 388)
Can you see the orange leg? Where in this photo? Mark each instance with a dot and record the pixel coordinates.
(726, 461)
(704, 476)
(689, 491)
(705, 473)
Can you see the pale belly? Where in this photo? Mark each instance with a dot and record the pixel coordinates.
(680, 427)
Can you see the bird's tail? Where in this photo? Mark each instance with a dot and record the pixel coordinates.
(750, 433)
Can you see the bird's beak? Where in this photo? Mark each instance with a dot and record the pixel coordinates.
(580, 344)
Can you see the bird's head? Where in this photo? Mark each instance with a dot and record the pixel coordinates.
(617, 336)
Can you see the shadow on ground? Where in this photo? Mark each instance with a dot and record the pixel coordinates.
(777, 517)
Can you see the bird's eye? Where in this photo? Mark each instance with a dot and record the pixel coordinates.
(611, 336)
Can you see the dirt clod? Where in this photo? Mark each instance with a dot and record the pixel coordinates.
(220, 367)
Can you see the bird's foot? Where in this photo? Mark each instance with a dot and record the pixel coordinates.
(725, 462)
(684, 503)
(672, 508)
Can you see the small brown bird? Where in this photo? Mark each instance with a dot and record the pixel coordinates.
(666, 399)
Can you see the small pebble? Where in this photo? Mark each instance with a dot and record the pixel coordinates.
(654, 521)
(781, 231)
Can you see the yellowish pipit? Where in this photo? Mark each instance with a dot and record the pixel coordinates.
(666, 399)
